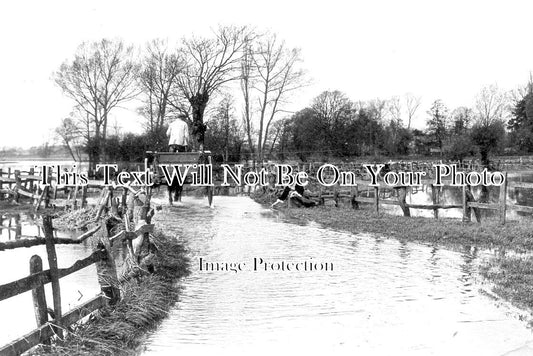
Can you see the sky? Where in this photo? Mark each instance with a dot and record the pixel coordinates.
(443, 50)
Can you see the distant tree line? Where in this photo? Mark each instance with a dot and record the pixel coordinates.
(234, 87)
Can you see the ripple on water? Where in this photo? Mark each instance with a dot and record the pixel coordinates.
(383, 296)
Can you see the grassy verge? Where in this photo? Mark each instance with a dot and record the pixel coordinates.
(119, 330)
(511, 274)
(448, 232)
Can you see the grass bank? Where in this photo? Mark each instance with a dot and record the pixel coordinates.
(120, 330)
(510, 274)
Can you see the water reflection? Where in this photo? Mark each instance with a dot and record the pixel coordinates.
(16, 313)
(383, 297)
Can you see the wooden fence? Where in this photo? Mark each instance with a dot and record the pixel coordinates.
(468, 205)
(101, 257)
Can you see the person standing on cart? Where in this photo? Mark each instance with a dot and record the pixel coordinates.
(178, 131)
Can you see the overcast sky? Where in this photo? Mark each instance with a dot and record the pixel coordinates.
(434, 49)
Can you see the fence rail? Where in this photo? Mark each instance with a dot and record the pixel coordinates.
(468, 204)
(101, 257)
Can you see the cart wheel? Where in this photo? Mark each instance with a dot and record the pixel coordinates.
(210, 195)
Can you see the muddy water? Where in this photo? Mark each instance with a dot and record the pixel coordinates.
(383, 297)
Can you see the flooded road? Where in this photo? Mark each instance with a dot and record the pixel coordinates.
(383, 296)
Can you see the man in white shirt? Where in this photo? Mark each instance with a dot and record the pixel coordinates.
(178, 131)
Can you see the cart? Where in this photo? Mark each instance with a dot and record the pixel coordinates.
(154, 159)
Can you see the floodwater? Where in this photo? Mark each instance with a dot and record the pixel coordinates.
(381, 296)
(16, 313)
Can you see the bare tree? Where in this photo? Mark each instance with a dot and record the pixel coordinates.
(158, 80)
(377, 109)
(247, 83)
(70, 134)
(412, 103)
(395, 110)
(209, 64)
(276, 72)
(491, 106)
(100, 78)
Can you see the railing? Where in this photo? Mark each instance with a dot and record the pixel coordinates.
(374, 196)
(105, 266)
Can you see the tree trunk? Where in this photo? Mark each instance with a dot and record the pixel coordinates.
(198, 104)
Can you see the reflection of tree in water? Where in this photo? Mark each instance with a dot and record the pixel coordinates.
(11, 226)
(468, 269)
(404, 251)
(434, 264)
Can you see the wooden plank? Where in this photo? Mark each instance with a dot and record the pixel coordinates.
(520, 185)
(25, 284)
(434, 199)
(365, 200)
(7, 191)
(355, 204)
(46, 331)
(402, 201)
(503, 200)
(18, 186)
(434, 206)
(484, 206)
(38, 201)
(27, 194)
(7, 180)
(106, 268)
(38, 296)
(522, 208)
(376, 199)
(83, 196)
(52, 263)
(388, 202)
(466, 209)
(36, 241)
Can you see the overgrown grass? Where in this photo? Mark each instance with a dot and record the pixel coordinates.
(73, 218)
(119, 330)
(449, 232)
(513, 279)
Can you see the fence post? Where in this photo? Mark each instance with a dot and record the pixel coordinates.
(75, 197)
(106, 268)
(145, 243)
(355, 203)
(376, 199)
(503, 200)
(466, 210)
(30, 179)
(83, 197)
(54, 273)
(39, 298)
(402, 195)
(124, 201)
(18, 183)
(434, 200)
